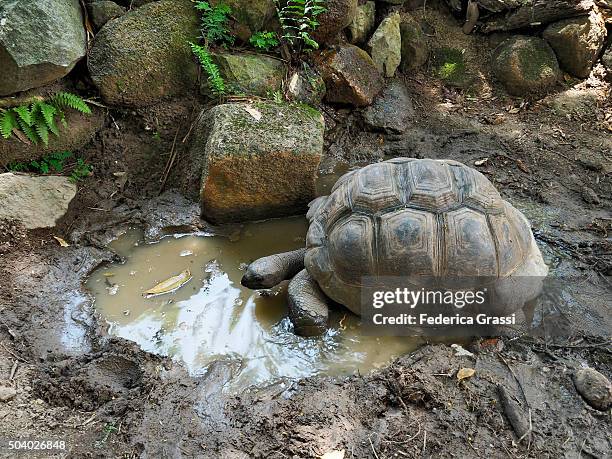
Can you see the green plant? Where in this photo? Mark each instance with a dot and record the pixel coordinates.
(215, 81)
(215, 23)
(298, 20)
(38, 119)
(55, 162)
(264, 40)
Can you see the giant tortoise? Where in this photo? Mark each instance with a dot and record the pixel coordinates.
(402, 217)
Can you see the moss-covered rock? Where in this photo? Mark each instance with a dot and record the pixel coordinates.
(144, 55)
(350, 75)
(252, 74)
(79, 131)
(40, 41)
(415, 49)
(385, 46)
(525, 65)
(362, 25)
(253, 15)
(258, 161)
(577, 42)
(339, 14)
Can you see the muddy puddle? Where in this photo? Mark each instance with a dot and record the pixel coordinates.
(213, 317)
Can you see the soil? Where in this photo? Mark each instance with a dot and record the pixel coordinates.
(107, 398)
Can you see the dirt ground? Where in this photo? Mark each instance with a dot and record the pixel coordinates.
(107, 398)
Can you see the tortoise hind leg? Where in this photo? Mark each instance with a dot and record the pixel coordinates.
(308, 308)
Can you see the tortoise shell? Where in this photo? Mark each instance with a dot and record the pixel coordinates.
(412, 217)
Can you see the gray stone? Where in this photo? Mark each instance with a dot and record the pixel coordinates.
(525, 65)
(415, 49)
(37, 202)
(385, 46)
(306, 86)
(258, 161)
(594, 387)
(102, 11)
(392, 110)
(40, 42)
(144, 55)
(606, 59)
(581, 102)
(350, 76)
(365, 19)
(7, 393)
(254, 15)
(252, 74)
(577, 42)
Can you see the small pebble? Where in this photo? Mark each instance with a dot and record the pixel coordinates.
(7, 393)
(594, 387)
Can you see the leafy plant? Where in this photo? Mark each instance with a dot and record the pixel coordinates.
(264, 40)
(298, 19)
(38, 119)
(216, 82)
(215, 23)
(55, 162)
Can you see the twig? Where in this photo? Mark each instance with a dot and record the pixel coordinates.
(528, 430)
(170, 162)
(13, 370)
(373, 450)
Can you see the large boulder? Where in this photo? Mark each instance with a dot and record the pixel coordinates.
(577, 42)
(253, 74)
(525, 65)
(143, 56)
(252, 15)
(339, 14)
(40, 41)
(36, 202)
(102, 11)
(415, 49)
(258, 161)
(350, 75)
(79, 131)
(392, 110)
(363, 23)
(385, 46)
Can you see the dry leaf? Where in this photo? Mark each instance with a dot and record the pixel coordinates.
(61, 241)
(465, 373)
(336, 454)
(460, 351)
(169, 285)
(253, 112)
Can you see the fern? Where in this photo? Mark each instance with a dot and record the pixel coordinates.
(215, 23)
(298, 20)
(215, 80)
(37, 120)
(55, 162)
(264, 40)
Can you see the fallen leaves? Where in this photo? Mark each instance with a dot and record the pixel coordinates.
(465, 373)
(169, 285)
(61, 241)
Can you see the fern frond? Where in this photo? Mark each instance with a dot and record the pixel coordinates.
(48, 112)
(40, 125)
(24, 115)
(7, 123)
(66, 99)
(28, 130)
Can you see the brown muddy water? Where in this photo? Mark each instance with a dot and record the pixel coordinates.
(213, 317)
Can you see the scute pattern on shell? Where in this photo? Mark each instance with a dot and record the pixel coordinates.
(408, 217)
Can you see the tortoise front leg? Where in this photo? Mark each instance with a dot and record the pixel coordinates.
(308, 308)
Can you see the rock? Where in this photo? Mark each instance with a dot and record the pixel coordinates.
(589, 196)
(144, 55)
(306, 86)
(40, 42)
(7, 394)
(100, 12)
(391, 111)
(254, 15)
(594, 387)
(577, 42)
(37, 202)
(80, 130)
(339, 14)
(525, 65)
(415, 49)
(362, 25)
(385, 46)
(252, 74)
(258, 161)
(606, 59)
(581, 102)
(350, 76)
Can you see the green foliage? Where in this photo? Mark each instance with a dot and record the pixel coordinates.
(264, 40)
(215, 23)
(55, 162)
(216, 82)
(38, 119)
(449, 65)
(298, 19)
